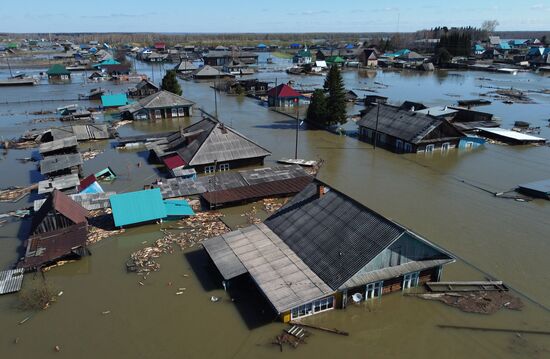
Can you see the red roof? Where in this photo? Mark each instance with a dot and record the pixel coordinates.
(160, 45)
(283, 91)
(86, 182)
(173, 161)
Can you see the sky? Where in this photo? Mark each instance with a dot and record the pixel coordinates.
(214, 16)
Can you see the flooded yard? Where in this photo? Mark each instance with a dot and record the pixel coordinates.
(105, 312)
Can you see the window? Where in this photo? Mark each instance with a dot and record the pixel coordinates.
(157, 114)
(410, 280)
(469, 145)
(314, 307)
(408, 148)
(209, 169)
(430, 148)
(181, 112)
(399, 145)
(445, 146)
(374, 290)
(174, 112)
(224, 167)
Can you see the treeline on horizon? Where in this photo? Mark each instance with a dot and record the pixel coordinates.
(252, 39)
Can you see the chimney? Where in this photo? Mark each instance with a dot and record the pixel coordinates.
(320, 190)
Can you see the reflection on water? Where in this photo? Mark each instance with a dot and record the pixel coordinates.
(433, 195)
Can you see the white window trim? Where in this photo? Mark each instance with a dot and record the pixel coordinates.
(410, 280)
(328, 301)
(447, 144)
(371, 287)
(430, 148)
(174, 112)
(223, 167)
(209, 169)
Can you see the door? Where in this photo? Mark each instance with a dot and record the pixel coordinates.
(410, 280)
(374, 290)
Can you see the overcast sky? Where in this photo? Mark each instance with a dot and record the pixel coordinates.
(266, 16)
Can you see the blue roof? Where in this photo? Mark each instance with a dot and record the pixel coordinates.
(504, 46)
(107, 62)
(137, 207)
(93, 188)
(349, 46)
(115, 100)
(178, 208)
(535, 51)
(261, 46)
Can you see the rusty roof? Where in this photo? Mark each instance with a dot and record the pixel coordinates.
(60, 202)
(256, 191)
(51, 246)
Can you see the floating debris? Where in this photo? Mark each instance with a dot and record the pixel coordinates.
(14, 194)
(482, 302)
(101, 226)
(214, 299)
(91, 154)
(194, 229)
(106, 312)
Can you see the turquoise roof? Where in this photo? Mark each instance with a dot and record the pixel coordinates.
(178, 208)
(107, 62)
(93, 188)
(478, 47)
(504, 46)
(137, 207)
(115, 100)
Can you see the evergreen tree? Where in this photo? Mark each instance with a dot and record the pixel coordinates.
(336, 100)
(170, 83)
(317, 111)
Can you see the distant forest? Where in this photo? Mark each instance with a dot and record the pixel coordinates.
(252, 39)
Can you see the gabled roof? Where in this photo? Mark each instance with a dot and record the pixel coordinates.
(494, 40)
(56, 163)
(60, 202)
(334, 235)
(173, 161)
(146, 83)
(137, 207)
(186, 65)
(208, 71)
(409, 126)
(218, 142)
(158, 100)
(58, 69)
(283, 91)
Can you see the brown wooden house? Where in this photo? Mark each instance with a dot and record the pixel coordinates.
(58, 211)
(159, 105)
(404, 131)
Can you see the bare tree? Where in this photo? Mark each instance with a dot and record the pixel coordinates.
(489, 26)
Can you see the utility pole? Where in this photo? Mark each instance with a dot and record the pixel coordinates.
(297, 103)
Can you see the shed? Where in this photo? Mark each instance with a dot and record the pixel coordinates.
(58, 211)
(11, 280)
(509, 136)
(137, 207)
(539, 189)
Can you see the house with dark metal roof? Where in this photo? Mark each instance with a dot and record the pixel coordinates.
(58, 211)
(405, 131)
(538, 189)
(58, 165)
(323, 248)
(186, 66)
(208, 72)
(144, 88)
(209, 145)
(159, 105)
(222, 57)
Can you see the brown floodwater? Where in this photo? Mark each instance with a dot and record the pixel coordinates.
(438, 196)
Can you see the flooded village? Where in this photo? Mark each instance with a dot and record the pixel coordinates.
(305, 195)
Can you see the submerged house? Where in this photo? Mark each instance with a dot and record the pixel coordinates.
(159, 105)
(405, 131)
(137, 207)
(208, 72)
(283, 95)
(58, 72)
(368, 58)
(302, 57)
(114, 100)
(58, 211)
(208, 146)
(144, 88)
(320, 249)
(58, 165)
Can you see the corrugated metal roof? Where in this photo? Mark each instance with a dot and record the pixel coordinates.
(334, 235)
(11, 280)
(274, 188)
(90, 201)
(180, 187)
(137, 207)
(538, 186)
(161, 99)
(51, 246)
(178, 208)
(510, 134)
(114, 100)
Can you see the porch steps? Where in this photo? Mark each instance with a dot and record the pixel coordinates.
(296, 331)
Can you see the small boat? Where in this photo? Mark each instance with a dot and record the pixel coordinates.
(299, 161)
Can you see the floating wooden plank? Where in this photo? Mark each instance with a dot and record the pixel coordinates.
(503, 330)
(299, 161)
(466, 286)
(330, 330)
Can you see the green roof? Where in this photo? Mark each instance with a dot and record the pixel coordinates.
(137, 207)
(12, 45)
(106, 62)
(334, 60)
(115, 100)
(304, 53)
(58, 70)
